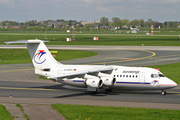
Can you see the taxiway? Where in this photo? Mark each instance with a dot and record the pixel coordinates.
(19, 84)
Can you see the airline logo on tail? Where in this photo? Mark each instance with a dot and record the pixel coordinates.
(39, 57)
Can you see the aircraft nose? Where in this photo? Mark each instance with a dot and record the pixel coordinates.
(168, 83)
(172, 83)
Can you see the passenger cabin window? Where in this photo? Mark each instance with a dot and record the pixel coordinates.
(129, 76)
(156, 75)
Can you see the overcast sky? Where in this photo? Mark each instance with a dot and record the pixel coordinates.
(89, 10)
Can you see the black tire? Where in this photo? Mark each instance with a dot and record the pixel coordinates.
(108, 90)
(163, 93)
(92, 92)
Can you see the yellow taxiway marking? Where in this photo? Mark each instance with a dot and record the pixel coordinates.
(162, 57)
(15, 67)
(15, 70)
(148, 57)
(170, 55)
(26, 88)
(40, 89)
(44, 89)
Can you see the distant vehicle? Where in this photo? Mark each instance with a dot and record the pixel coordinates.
(95, 77)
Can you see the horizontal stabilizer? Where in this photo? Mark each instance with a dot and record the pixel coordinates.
(25, 41)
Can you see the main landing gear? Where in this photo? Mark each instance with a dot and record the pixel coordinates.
(108, 90)
(93, 92)
(163, 92)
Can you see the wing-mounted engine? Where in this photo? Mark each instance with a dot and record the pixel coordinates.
(107, 79)
(95, 83)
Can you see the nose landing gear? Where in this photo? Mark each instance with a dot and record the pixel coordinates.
(163, 92)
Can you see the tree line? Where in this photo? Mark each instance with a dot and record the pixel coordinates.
(138, 23)
(115, 22)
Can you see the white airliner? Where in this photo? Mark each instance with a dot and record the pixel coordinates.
(95, 77)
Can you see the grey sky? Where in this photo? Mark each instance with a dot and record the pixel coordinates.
(89, 10)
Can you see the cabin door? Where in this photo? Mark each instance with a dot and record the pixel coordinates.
(142, 77)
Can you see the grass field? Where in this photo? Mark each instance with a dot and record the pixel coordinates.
(25, 116)
(4, 114)
(80, 31)
(85, 112)
(17, 56)
(109, 39)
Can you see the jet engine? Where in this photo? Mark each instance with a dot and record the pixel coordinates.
(94, 82)
(108, 80)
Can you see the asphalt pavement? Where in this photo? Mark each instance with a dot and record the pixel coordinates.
(20, 82)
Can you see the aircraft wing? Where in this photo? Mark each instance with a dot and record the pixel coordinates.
(93, 71)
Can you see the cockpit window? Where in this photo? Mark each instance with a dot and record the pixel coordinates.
(154, 75)
(161, 75)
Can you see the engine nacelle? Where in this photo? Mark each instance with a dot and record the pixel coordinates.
(108, 80)
(95, 82)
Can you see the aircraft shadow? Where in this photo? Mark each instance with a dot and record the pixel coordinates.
(55, 87)
(83, 91)
(98, 94)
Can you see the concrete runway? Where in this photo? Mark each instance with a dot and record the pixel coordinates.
(20, 82)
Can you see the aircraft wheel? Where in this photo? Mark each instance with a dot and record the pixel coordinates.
(108, 90)
(93, 92)
(163, 93)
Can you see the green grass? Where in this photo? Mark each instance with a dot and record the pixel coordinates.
(14, 56)
(4, 114)
(109, 39)
(27, 118)
(17, 56)
(18, 105)
(86, 112)
(170, 70)
(44, 78)
(169, 31)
